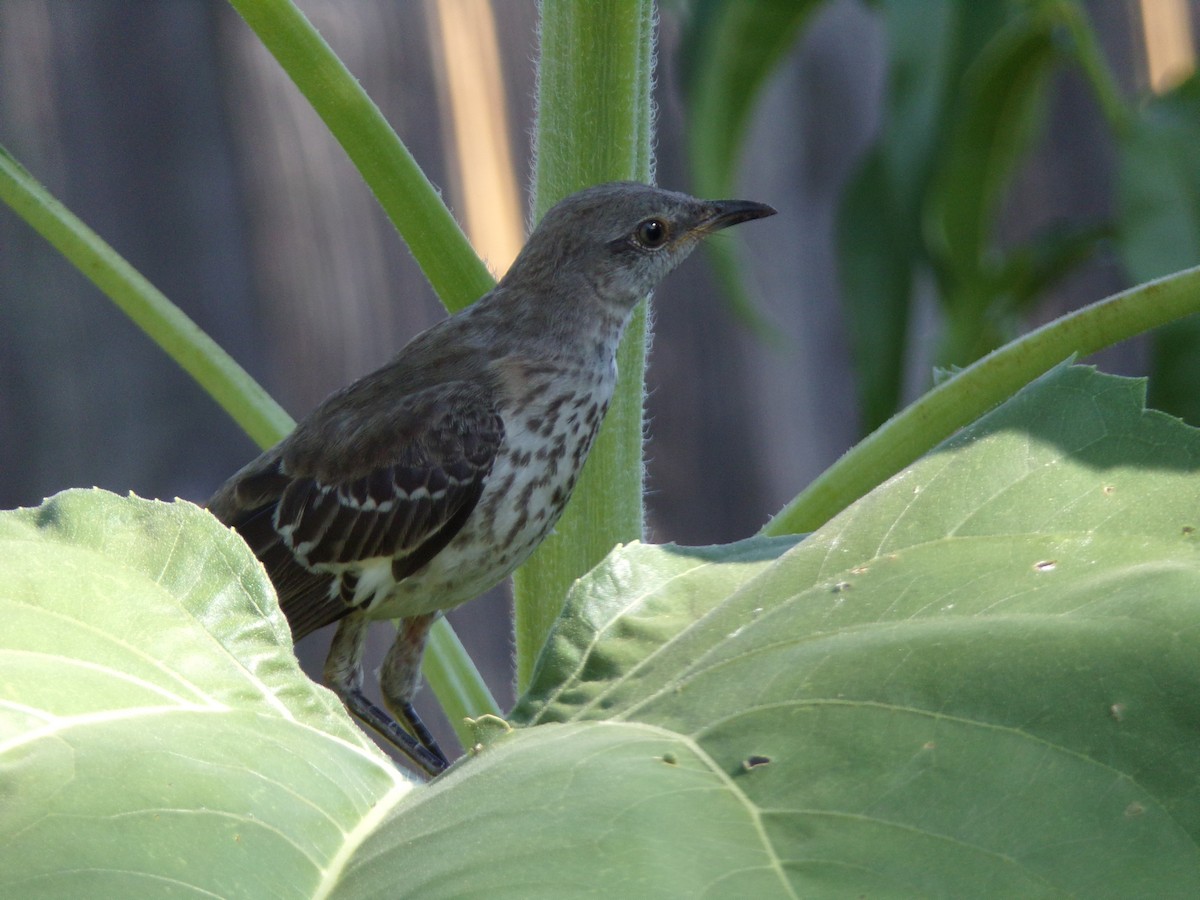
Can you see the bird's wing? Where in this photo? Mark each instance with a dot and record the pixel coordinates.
(398, 484)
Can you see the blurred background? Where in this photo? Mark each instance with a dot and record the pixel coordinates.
(947, 174)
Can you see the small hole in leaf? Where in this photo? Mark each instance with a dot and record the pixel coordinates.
(1109, 490)
(1045, 565)
(753, 762)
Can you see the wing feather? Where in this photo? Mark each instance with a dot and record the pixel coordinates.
(402, 488)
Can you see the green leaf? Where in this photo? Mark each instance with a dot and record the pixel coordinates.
(729, 49)
(972, 391)
(881, 216)
(640, 599)
(981, 678)
(877, 254)
(993, 127)
(1159, 185)
(994, 124)
(929, 44)
(1031, 270)
(995, 118)
(156, 732)
(606, 809)
(1158, 196)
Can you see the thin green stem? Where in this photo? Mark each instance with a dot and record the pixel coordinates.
(183, 340)
(976, 389)
(412, 203)
(454, 679)
(594, 125)
(416, 210)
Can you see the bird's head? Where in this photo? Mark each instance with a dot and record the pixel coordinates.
(616, 241)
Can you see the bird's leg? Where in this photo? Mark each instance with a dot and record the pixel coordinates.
(344, 675)
(400, 676)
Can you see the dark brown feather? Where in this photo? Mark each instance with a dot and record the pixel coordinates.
(443, 443)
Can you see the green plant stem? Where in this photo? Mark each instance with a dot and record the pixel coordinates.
(213, 369)
(594, 124)
(976, 389)
(415, 207)
(455, 679)
(412, 203)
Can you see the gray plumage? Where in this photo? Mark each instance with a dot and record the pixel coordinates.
(428, 481)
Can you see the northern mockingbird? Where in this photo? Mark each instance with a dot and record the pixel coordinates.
(425, 483)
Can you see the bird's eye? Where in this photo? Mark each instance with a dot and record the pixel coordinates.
(651, 234)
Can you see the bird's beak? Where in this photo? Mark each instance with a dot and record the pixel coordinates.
(731, 212)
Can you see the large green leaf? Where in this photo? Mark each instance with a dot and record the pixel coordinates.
(1158, 192)
(156, 734)
(981, 679)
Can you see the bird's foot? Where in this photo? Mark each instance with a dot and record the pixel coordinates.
(422, 749)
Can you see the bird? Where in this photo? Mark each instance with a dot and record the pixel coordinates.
(428, 481)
